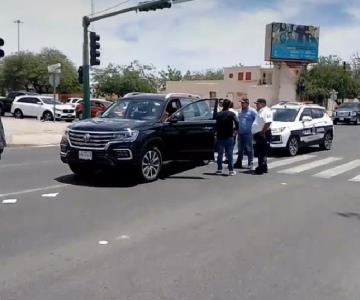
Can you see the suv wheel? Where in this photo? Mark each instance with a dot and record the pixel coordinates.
(47, 116)
(80, 169)
(335, 122)
(81, 116)
(357, 120)
(18, 114)
(293, 146)
(150, 164)
(326, 143)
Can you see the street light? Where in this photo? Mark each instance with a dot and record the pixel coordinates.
(18, 22)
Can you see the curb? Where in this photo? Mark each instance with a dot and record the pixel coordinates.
(31, 146)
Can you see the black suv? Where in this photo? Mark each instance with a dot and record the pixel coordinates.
(348, 112)
(5, 103)
(141, 131)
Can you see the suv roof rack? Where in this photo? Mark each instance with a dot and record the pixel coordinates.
(132, 94)
(182, 95)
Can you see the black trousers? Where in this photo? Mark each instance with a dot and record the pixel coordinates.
(262, 147)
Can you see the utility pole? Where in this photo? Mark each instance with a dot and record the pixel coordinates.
(18, 22)
(141, 7)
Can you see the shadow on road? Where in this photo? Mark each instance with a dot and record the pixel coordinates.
(113, 179)
(349, 215)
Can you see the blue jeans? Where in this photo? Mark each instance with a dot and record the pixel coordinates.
(245, 145)
(226, 145)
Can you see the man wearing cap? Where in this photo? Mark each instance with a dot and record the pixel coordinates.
(246, 118)
(262, 134)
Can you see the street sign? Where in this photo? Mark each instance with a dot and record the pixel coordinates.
(54, 68)
(54, 79)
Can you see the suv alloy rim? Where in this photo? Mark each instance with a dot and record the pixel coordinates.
(327, 141)
(47, 116)
(293, 146)
(150, 165)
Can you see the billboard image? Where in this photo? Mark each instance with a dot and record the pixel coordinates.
(289, 42)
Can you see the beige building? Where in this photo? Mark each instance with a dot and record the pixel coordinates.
(273, 84)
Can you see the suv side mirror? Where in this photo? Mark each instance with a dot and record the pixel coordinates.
(99, 114)
(174, 119)
(306, 118)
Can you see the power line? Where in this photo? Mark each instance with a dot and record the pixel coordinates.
(110, 8)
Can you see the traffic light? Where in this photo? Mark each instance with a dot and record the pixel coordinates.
(94, 49)
(80, 76)
(154, 5)
(2, 53)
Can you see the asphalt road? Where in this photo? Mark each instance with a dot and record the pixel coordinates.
(290, 234)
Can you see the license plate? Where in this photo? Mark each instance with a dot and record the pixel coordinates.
(70, 115)
(85, 155)
(341, 119)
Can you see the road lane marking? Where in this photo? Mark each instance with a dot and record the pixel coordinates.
(103, 242)
(123, 237)
(53, 195)
(309, 166)
(34, 190)
(339, 169)
(9, 201)
(289, 161)
(355, 179)
(44, 162)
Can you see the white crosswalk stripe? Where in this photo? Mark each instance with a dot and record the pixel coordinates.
(289, 161)
(355, 179)
(339, 169)
(309, 166)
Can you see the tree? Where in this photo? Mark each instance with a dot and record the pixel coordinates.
(28, 71)
(329, 74)
(171, 74)
(120, 80)
(209, 74)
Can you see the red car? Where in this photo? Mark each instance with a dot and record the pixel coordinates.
(97, 106)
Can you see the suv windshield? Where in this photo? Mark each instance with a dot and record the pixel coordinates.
(285, 114)
(135, 109)
(350, 105)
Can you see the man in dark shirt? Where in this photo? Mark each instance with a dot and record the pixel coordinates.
(227, 126)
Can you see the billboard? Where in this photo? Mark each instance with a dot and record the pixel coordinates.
(289, 42)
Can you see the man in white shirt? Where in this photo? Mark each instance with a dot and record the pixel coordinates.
(262, 134)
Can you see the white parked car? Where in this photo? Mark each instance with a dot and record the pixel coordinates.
(41, 107)
(297, 125)
(73, 101)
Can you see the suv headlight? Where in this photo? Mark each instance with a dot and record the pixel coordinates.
(126, 135)
(278, 130)
(353, 113)
(66, 133)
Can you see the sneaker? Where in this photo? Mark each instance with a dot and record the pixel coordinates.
(232, 173)
(219, 172)
(251, 166)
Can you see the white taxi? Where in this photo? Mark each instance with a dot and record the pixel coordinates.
(297, 125)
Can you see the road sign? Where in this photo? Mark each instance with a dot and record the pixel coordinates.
(54, 79)
(55, 68)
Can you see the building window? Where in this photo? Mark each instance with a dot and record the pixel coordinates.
(248, 76)
(231, 75)
(241, 76)
(212, 95)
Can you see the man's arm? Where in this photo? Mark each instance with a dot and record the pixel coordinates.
(236, 123)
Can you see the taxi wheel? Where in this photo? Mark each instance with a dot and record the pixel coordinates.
(293, 146)
(326, 143)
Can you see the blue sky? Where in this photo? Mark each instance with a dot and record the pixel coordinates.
(194, 35)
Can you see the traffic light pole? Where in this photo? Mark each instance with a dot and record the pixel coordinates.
(145, 6)
(86, 69)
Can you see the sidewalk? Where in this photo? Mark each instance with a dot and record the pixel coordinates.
(32, 132)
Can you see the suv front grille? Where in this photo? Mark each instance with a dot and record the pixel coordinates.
(90, 140)
(68, 111)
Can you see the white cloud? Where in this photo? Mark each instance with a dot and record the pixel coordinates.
(193, 35)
